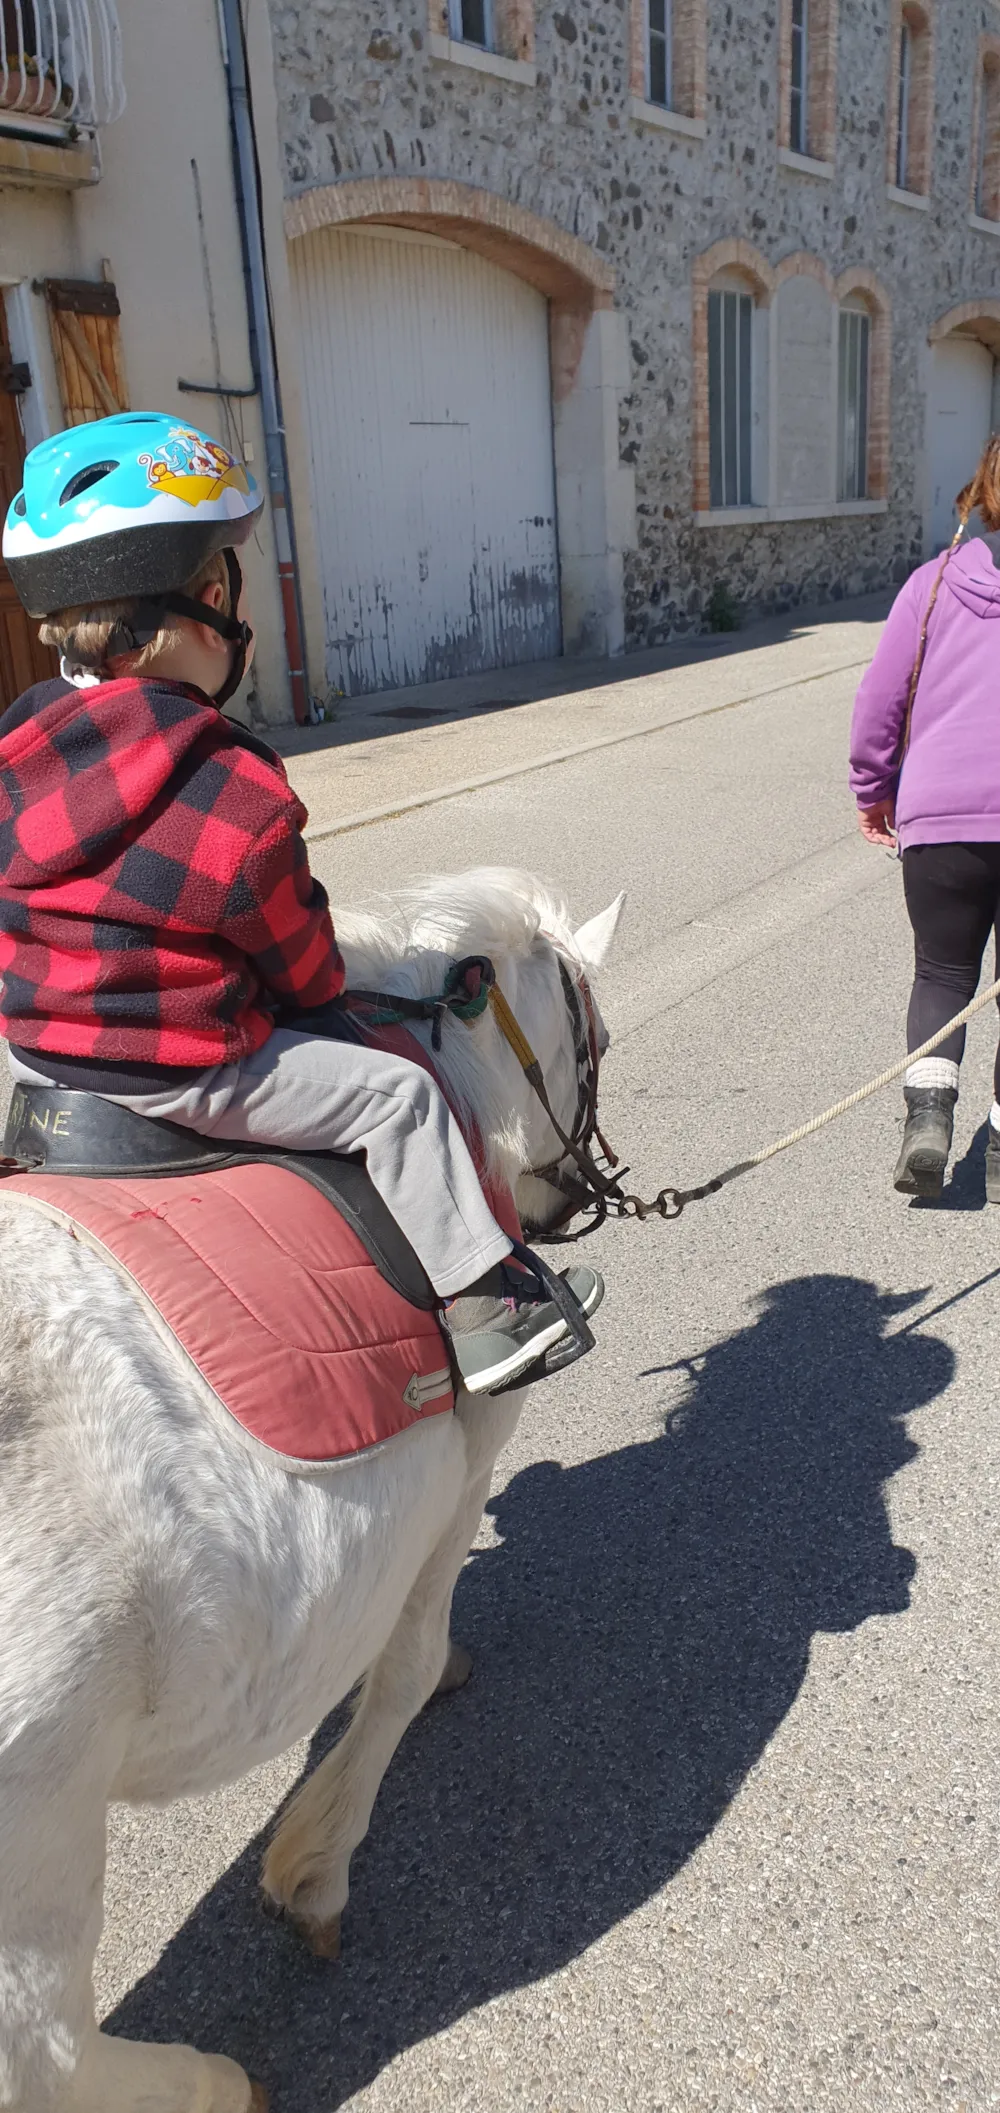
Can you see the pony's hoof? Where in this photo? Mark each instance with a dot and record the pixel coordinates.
(322, 1938)
(458, 1667)
(259, 2100)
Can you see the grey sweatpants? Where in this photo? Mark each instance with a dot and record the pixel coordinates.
(315, 1095)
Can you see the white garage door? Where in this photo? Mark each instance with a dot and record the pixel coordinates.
(961, 422)
(429, 406)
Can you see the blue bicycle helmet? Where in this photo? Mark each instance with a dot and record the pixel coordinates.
(126, 507)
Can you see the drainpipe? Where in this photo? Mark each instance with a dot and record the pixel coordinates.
(262, 353)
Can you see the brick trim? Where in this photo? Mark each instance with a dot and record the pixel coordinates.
(862, 282)
(729, 255)
(688, 54)
(987, 69)
(983, 311)
(821, 119)
(919, 14)
(559, 265)
(514, 22)
(803, 265)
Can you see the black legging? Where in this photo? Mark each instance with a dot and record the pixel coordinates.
(953, 897)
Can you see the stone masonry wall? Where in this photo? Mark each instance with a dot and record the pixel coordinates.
(361, 95)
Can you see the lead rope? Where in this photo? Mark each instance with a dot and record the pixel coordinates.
(670, 1202)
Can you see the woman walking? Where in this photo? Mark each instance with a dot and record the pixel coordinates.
(925, 771)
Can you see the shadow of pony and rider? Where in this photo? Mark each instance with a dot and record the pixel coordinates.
(640, 1630)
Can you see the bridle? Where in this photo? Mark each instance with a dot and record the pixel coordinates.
(591, 1185)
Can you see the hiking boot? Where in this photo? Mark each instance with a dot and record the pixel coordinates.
(993, 1165)
(506, 1323)
(926, 1140)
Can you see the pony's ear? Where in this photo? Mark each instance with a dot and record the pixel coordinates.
(595, 939)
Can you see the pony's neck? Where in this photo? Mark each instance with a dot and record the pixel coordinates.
(406, 946)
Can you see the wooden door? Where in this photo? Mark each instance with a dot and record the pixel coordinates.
(22, 659)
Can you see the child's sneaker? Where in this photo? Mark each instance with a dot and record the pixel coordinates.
(506, 1322)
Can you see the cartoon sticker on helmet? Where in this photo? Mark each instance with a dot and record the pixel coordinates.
(192, 468)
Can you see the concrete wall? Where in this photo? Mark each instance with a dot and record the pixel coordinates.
(361, 94)
(174, 273)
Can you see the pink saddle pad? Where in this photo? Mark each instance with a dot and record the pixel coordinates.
(271, 1297)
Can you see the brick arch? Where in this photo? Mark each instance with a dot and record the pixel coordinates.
(863, 285)
(568, 271)
(979, 319)
(803, 265)
(733, 254)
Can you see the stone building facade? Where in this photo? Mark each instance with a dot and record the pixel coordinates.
(792, 165)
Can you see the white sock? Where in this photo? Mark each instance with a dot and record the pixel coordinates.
(995, 1116)
(933, 1071)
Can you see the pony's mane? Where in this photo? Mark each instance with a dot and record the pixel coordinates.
(397, 942)
(402, 943)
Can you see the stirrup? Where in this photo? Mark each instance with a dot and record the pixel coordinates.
(579, 1340)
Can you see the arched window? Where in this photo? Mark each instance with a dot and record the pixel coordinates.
(730, 392)
(912, 102)
(731, 291)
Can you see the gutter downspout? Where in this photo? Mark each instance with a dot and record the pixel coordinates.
(262, 352)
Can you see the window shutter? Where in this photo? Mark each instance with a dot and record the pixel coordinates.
(85, 320)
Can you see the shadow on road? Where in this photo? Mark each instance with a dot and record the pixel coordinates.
(640, 1634)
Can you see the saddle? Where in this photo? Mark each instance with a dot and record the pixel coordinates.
(53, 1130)
(306, 1320)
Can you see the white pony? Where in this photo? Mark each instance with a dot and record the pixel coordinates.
(175, 1610)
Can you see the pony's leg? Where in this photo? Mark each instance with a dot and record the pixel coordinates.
(53, 2059)
(305, 1873)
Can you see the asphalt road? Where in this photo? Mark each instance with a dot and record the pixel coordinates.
(715, 1824)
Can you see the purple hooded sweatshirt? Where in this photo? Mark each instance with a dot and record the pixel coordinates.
(949, 788)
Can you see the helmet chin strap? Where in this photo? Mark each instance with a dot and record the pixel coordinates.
(147, 620)
(230, 627)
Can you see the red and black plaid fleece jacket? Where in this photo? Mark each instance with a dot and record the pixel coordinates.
(156, 901)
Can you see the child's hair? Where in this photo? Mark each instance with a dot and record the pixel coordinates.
(982, 494)
(83, 635)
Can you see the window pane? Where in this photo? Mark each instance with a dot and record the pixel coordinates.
(861, 477)
(658, 71)
(659, 68)
(852, 406)
(730, 399)
(799, 106)
(746, 399)
(475, 24)
(715, 399)
(903, 122)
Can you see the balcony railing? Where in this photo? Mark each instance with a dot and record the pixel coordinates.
(60, 64)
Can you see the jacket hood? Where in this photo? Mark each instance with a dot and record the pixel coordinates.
(73, 774)
(973, 575)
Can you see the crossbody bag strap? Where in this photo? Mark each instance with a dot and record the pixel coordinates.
(922, 649)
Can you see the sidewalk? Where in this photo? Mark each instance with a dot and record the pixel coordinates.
(400, 748)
